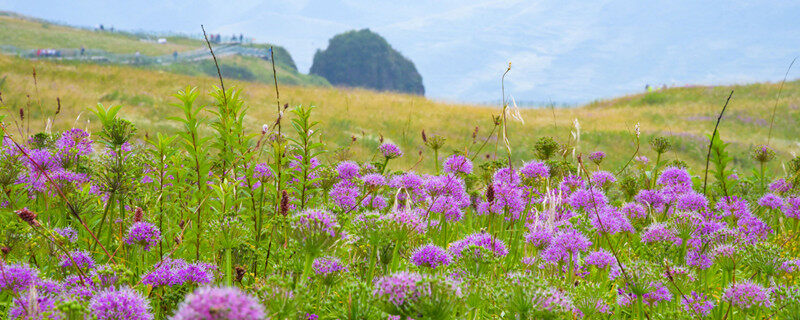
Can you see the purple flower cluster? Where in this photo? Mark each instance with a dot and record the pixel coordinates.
(478, 241)
(457, 164)
(401, 288)
(597, 157)
(430, 256)
(316, 222)
(175, 272)
(123, 304)
(534, 170)
(325, 266)
(79, 259)
(347, 170)
(143, 233)
(746, 295)
(227, 303)
(17, 277)
(390, 151)
(697, 304)
(68, 233)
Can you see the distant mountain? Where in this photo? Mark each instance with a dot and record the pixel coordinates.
(364, 59)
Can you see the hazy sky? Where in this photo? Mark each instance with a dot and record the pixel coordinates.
(564, 51)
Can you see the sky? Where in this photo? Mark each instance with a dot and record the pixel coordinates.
(561, 51)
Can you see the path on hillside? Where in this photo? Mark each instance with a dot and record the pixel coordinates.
(96, 55)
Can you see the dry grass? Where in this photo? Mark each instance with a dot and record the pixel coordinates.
(687, 114)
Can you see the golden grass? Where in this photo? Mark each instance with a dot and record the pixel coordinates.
(687, 114)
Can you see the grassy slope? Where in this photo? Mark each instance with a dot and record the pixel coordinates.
(687, 114)
(30, 33)
(33, 34)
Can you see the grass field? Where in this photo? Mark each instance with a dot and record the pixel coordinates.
(35, 34)
(686, 115)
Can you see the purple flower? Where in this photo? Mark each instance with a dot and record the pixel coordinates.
(746, 294)
(72, 143)
(772, 201)
(792, 207)
(676, 180)
(602, 179)
(81, 258)
(587, 199)
(172, 272)
(565, 243)
(691, 201)
(390, 151)
(143, 233)
(697, 304)
(325, 266)
(375, 202)
(634, 210)
(457, 164)
(210, 303)
(401, 288)
(650, 198)
(506, 176)
(347, 170)
(660, 233)
(601, 258)
(374, 180)
(610, 220)
(539, 234)
(479, 240)
(45, 304)
(68, 233)
(316, 222)
(534, 170)
(262, 172)
(780, 186)
(658, 292)
(345, 195)
(597, 157)
(17, 277)
(430, 256)
(404, 221)
(123, 304)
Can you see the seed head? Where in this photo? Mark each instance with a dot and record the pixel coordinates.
(138, 214)
(762, 153)
(28, 216)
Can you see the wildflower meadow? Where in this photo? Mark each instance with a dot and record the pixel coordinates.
(218, 222)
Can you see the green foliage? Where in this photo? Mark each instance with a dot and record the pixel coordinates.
(364, 59)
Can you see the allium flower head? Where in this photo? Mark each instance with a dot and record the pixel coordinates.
(68, 233)
(81, 258)
(173, 272)
(401, 288)
(390, 151)
(597, 157)
(480, 240)
(534, 170)
(762, 153)
(457, 164)
(327, 265)
(675, 179)
(430, 256)
(791, 209)
(123, 304)
(602, 179)
(347, 170)
(374, 180)
(691, 201)
(228, 303)
(17, 277)
(262, 172)
(658, 292)
(601, 258)
(780, 186)
(697, 304)
(650, 198)
(317, 222)
(772, 201)
(660, 232)
(143, 233)
(746, 294)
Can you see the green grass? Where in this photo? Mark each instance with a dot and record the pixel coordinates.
(686, 115)
(30, 34)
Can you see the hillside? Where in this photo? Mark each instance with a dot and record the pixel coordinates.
(686, 115)
(364, 59)
(20, 35)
